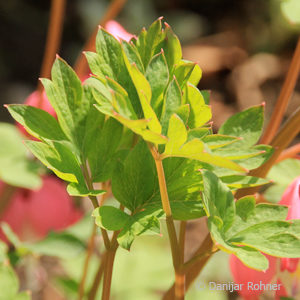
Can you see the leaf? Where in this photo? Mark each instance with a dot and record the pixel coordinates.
(200, 112)
(218, 199)
(59, 158)
(196, 76)
(62, 245)
(37, 122)
(247, 124)
(65, 94)
(240, 181)
(10, 235)
(148, 41)
(132, 55)
(183, 71)
(177, 135)
(110, 218)
(15, 167)
(78, 190)
(144, 91)
(172, 48)
(23, 296)
(134, 180)
(144, 222)
(9, 283)
(103, 149)
(217, 140)
(172, 102)
(252, 227)
(157, 74)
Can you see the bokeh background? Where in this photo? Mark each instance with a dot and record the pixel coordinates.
(244, 49)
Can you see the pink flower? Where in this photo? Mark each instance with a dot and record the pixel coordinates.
(117, 30)
(244, 275)
(291, 198)
(35, 213)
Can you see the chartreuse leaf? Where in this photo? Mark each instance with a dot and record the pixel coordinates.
(59, 158)
(37, 122)
(145, 94)
(132, 55)
(195, 76)
(110, 218)
(200, 112)
(243, 226)
(240, 181)
(15, 167)
(193, 149)
(183, 71)
(247, 125)
(65, 94)
(290, 9)
(9, 283)
(214, 141)
(75, 189)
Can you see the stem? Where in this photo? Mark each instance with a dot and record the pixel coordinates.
(90, 249)
(97, 279)
(53, 38)
(284, 97)
(283, 138)
(289, 153)
(112, 11)
(108, 274)
(175, 249)
(194, 271)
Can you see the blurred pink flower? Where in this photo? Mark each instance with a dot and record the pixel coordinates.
(118, 31)
(35, 213)
(243, 274)
(291, 198)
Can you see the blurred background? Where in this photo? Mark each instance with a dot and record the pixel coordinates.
(244, 49)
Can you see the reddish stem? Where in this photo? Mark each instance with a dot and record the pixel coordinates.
(284, 97)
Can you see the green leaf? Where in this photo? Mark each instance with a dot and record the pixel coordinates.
(148, 41)
(172, 48)
(218, 199)
(15, 167)
(196, 76)
(37, 122)
(144, 222)
(132, 55)
(9, 283)
(10, 235)
(157, 74)
(110, 218)
(103, 147)
(59, 158)
(129, 178)
(247, 124)
(65, 94)
(240, 181)
(172, 102)
(75, 189)
(62, 245)
(217, 140)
